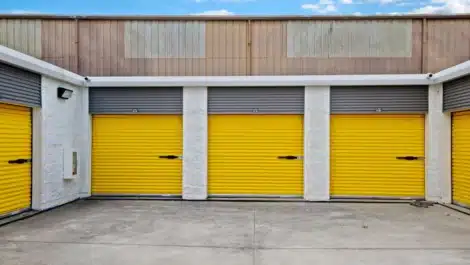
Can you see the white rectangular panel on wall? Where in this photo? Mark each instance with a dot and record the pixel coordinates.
(169, 39)
(348, 39)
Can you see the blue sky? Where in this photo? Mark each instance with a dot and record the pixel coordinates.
(234, 7)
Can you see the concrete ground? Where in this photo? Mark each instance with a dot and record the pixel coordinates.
(238, 233)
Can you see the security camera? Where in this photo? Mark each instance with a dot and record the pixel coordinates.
(429, 75)
(87, 79)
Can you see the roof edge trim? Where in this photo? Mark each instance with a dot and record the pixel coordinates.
(21, 60)
(451, 73)
(234, 81)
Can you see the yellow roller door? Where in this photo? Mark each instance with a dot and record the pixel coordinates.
(461, 158)
(364, 151)
(15, 144)
(127, 152)
(244, 151)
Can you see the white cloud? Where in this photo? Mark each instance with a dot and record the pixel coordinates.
(445, 7)
(323, 6)
(224, 1)
(20, 11)
(330, 8)
(221, 12)
(347, 2)
(310, 6)
(357, 13)
(385, 2)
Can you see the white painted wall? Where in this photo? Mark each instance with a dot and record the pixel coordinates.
(317, 143)
(195, 143)
(60, 127)
(438, 149)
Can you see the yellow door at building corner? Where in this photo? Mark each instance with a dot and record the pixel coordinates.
(15, 143)
(126, 154)
(244, 151)
(364, 151)
(461, 158)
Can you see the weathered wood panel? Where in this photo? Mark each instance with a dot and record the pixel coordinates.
(270, 53)
(23, 35)
(115, 48)
(226, 48)
(241, 47)
(448, 43)
(59, 43)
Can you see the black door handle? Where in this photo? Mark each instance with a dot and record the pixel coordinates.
(288, 157)
(169, 157)
(19, 161)
(409, 158)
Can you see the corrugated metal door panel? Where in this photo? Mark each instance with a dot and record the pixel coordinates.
(461, 158)
(158, 100)
(364, 151)
(256, 100)
(19, 86)
(457, 94)
(386, 99)
(15, 143)
(244, 150)
(126, 150)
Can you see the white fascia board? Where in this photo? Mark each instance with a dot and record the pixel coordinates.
(35, 65)
(453, 72)
(234, 81)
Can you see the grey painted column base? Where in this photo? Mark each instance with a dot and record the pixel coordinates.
(194, 143)
(317, 144)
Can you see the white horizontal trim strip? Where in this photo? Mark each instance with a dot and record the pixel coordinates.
(35, 65)
(235, 81)
(453, 72)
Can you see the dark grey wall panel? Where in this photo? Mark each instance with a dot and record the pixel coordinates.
(457, 94)
(256, 100)
(19, 86)
(386, 99)
(136, 100)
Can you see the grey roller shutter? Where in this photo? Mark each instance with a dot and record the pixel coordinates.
(457, 94)
(19, 86)
(256, 100)
(386, 99)
(136, 100)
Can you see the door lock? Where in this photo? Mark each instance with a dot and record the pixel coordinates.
(288, 157)
(20, 161)
(169, 157)
(409, 158)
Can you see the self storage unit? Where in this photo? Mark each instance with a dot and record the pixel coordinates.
(378, 141)
(457, 101)
(255, 141)
(20, 90)
(137, 141)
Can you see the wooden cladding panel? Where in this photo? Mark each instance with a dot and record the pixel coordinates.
(448, 43)
(270, 56)
(59, 43)
(102, 52)
(100, 47)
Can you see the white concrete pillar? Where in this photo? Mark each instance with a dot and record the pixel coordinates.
(194, 143)
(38, 163)
(317, 144)
(85, 164)
(438, 149)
